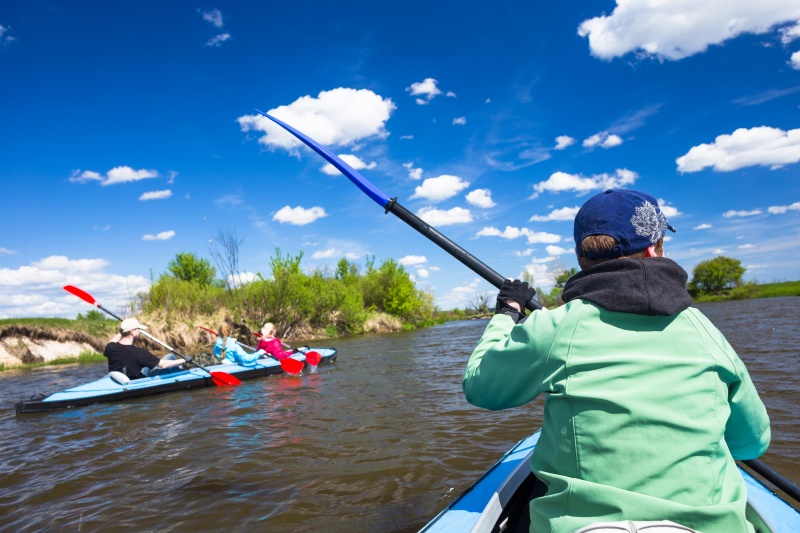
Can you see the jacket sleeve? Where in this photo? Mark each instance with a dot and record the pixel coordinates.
(505, 370)
(275, 348)
(747, 431)
(246, 358)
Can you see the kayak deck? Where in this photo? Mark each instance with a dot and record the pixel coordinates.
(498, 501)
(107, 389)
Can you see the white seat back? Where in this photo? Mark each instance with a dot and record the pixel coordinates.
(627, 526)
(119, 377)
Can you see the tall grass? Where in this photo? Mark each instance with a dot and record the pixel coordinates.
(774, 290)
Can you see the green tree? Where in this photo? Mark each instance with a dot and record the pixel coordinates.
(717, 274)
(346, 271)
(563, 277)
(189, 267)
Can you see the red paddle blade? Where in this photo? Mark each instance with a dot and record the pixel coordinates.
(292, 366)
(223, 379)
(313, 358)
(208, 330)
(83, 295)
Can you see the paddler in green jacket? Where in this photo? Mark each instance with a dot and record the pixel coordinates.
(646, 404)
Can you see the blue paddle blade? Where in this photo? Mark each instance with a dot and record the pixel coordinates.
(352, 174)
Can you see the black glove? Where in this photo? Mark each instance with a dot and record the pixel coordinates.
(514, 291)
(187, 359)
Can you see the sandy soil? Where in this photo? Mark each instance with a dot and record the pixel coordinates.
(13, 348)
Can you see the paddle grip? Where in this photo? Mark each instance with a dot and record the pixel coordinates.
(466, 258)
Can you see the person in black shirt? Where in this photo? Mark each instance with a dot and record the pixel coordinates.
(124, 357)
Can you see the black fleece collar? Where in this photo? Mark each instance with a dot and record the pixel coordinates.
(650, 286)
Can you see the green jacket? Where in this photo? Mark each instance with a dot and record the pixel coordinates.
(645, 411)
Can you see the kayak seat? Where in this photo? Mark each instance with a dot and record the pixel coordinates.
(119, 378)
(627, 526)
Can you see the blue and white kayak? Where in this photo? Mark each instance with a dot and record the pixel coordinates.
(115, 386)
(498, 500)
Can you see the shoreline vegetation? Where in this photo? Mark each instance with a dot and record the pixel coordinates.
(305, 307)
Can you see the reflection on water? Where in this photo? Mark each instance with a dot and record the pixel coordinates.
(379, 441)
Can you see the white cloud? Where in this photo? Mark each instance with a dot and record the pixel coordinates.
(217, 40)
(535, 237)
(242, 278)
(338, 117)
(352, 160)
(510, 232)
(562, 141)
(668, 210)
(440, 188)
(459, 121)
(563, 214)
(732, 213)
(324, 254)
(412, 260)
(764, 146)
(5, 39)
(422, 272)
(299, 216)
(6, 251)
(703, 226)
(413, 173)
(558, 250)
(459, 297)
(35, 290)
(122, 174)
(214, 17)
(426, 88)
(680, 28)
(232, 199)
(561, 182)
(480, 198)
(603, 140)
(790, 33)
(439, 217)
(162, 236)
(540, 270)
(794, 60)
(155, 195)
(718, 251)
(745, 246)
(781, 209)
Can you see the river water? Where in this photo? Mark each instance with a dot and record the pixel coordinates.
(381, 440)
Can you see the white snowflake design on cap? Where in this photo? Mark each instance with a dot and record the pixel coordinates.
(649, 222)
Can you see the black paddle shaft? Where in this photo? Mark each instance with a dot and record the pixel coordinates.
(466, 258)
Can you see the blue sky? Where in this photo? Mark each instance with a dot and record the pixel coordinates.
(129, 134)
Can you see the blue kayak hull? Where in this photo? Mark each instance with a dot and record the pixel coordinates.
(107, 389)
(497, 499)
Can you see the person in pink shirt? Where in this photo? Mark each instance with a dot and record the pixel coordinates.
(273, 345)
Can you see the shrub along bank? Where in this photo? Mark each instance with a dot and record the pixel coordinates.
(319, 302)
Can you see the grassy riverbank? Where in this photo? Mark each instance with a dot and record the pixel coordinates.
(751, 290)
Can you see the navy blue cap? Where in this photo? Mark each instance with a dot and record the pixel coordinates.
(633, 218)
